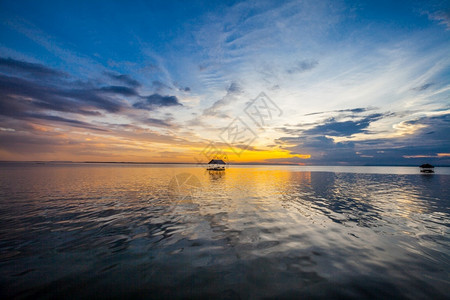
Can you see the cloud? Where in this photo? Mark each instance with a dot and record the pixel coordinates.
(234, 88)
(332, 127)
(316, 144)
(352, 110)
(157, 122)
(83, 63)
(423, 87)
(346, 123)
(125, 79)
(121, 90)
(15, 92)
(19, 96)
(120, 142)
(233, 91)
(47, 109)
(323, 150)
(20, 109)
(91, 97)
(303, 66)
(430, 139)
(28, 68)
(442, 16)
(156, 100)
(158, 86)
(75, 123)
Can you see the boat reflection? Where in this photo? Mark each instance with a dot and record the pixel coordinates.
(215, 175)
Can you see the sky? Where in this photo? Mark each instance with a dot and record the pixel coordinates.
(301, 82)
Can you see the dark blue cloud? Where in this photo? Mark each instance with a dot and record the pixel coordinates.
(121, 90)
(83, 99)
(93, 98)
(343, 128)
(125, 79)
(157, 122)
(17, 66)
(40, 95)
(323, 150)
(21, 96)
(156, 100)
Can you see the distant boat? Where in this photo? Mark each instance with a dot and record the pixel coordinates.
(216, 165)
(427, 168)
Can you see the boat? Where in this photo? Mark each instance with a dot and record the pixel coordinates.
(216, 165)
(426, 168)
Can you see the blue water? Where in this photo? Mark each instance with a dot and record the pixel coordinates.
(250, 232)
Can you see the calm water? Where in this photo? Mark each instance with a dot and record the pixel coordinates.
(168, 231)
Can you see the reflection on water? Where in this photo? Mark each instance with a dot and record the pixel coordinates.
(250, 232)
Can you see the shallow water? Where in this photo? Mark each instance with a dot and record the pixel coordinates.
(158, 231)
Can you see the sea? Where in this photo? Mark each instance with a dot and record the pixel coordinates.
(173, 231)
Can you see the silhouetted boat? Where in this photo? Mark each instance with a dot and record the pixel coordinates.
(216, 165)
(427, 168)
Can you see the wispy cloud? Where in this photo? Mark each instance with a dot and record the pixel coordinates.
(84, 63)
(441, 16)
(423, 87)
(232, 93)
(303, 66)
(351, 110)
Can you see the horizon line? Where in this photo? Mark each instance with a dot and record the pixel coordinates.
(193, 163)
